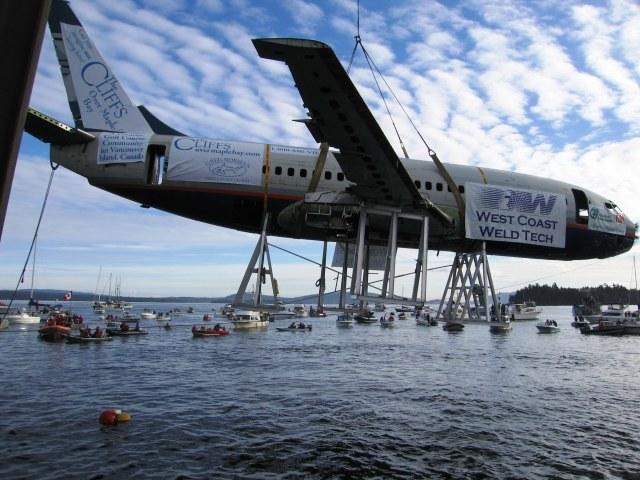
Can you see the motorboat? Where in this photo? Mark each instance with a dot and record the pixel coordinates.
(604, 328)
(148, 314)
(345, 320)
(380, 307)
(163, 317)
(365, 317)
(85, 336)
(295, 327)
(525, 311)
(248, 319)
(206, 331)
(500, 326)
(124, 330)
(453, 326)
(56, 329)
(425, 318)
(548, 326)
(388, 321)
(579, 322)
(227, 310)
(300, 311)
(22, 317)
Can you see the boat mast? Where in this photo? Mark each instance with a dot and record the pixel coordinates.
(33, 267)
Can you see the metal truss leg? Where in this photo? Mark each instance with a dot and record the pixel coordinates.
(343, 281)
(256, 265)
(468, 278)
(321, 286)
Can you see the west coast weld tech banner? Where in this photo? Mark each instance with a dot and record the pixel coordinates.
(122, 147)
(205, 160)
(507, 214)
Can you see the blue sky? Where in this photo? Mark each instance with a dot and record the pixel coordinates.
(546, 88)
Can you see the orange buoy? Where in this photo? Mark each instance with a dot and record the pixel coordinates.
(108, 417)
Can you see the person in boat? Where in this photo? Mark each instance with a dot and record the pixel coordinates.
(293, 325)
(124, 326)
(137, 329)
(194, 328)
(302, 325)
(555, 324)
(98, 332)
(84, 333)
(217, 327)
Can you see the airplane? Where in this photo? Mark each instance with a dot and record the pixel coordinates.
(312, 193)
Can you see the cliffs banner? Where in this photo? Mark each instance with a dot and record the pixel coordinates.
(506, 214)
(205, 160)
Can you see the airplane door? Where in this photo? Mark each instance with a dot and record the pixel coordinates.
(157, 164)
(582, 206)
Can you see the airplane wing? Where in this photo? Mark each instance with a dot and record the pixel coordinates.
(340, 117)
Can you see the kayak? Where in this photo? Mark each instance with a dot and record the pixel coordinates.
(210, 333)
(78, 339)
(294, 329)
(116, 332)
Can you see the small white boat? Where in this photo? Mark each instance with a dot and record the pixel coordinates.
(500, 327)
(345, 320)
(148, 314)
(248, 319)
(22, 318)
(525, 311)
(548, 326)
(300, 311)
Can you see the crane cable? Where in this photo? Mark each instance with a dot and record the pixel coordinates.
(33, 240)
(460, 203)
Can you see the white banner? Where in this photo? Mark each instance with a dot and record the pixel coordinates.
(287, 150)
(122, 147)
(602, 219)
(505, 214)
(205, 160)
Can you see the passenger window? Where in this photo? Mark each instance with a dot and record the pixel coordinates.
(278, 170)
(461, 188)
(439, 186)
(340, 176)
(417, 182)
(264, 169)
(327, 175)
(303, 172)
(427, 185)
(290, 171)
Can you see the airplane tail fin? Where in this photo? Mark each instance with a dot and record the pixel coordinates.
(96, 98)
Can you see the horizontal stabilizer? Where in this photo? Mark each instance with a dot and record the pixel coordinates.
(50, 130)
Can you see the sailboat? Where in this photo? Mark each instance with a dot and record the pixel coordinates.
(25, 316)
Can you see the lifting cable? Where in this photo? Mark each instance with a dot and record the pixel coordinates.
(432, 154)
(35, 237)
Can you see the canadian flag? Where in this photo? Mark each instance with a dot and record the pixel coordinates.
(67, 296)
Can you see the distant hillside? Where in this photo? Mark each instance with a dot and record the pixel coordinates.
(555, 295)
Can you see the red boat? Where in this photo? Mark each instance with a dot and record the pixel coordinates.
(216, 331)
(55, 330)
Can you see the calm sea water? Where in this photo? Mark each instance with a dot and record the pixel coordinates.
(365, 402)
